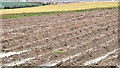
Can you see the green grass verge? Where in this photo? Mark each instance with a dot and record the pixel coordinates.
(56, 51)
(10, 16)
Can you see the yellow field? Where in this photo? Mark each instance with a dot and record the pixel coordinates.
(63, 7)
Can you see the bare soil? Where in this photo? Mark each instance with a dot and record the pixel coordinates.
(80, 37)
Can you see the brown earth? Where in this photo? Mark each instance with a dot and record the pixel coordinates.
(78, 38)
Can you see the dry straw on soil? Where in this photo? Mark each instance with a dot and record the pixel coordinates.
(63, 7)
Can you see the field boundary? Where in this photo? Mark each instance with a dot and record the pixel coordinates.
(21, 15)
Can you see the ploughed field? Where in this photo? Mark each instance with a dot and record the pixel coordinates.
(88, 38)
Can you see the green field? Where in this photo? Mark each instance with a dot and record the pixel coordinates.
(8, 5)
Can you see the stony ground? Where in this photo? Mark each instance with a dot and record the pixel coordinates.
(74, 39)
